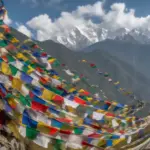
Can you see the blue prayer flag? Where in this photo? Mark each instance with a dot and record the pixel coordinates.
(88, 121)
(53, 110)
(109, 142)
(26, 120)
(55, 123)
(37, 91)
(26, 78)
(39, 100)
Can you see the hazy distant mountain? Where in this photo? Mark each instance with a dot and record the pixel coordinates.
(135, 54)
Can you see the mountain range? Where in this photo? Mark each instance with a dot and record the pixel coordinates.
(80, 37)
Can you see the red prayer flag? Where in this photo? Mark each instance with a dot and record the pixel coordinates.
(110, 130)
(35, 46)
(121, 131)
(110, 114)
(86, 144)
(58, 98)
(108, 103)
(10, 47)
(96, 127)
(63, 64)
(81, 75)
(4, 57)
(65, 120)
(31, 94)
(79, 101)
(53, 130)
(2, 94)
(43, 80)
(39, 69)
(93, 65)
(94, 135)
(65, 132)
(39, 107)
(85, 93)
(10, 77)
(44, 54)
(6, 28)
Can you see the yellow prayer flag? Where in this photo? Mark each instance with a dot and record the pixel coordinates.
(81, 91)
(72, 90)
(101, 142)
(84, 60)
(47, 95)
(30, 69)
(80, 122)
(13, 127)
(89, 98)
(116, 82)
(21, 56)
(17, 84)
(115, 142)
(100, 111)
(11, 101)
(42, 128)
(1, 36)
(14, 40)
(55, 77)
(70, 109)
(51, 60)
(114, 103)
(5, 68)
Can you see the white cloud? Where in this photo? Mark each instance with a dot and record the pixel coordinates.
(117, 17)
(92, 10)
(23, 29)
(120, 17)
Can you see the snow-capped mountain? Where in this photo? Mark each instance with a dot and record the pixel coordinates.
(80, 37)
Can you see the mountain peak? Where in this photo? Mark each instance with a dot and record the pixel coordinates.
(83, 36)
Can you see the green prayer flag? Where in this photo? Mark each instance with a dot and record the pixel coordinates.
(9, 36)
(84, 98)
(93, 66)
(58, 144)
(27, 62)
(33, 65)
(31, 133)
(3, 43)
(25, 69)
(10, 58)
(22, 100)
(13, 70)
(25, 100)
(28, 99)
(56, 64)
(9, 96)
(78, 130)
(1, 22)
(59, 92)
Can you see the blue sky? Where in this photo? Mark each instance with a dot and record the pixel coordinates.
(43, 18)
(23, 11)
